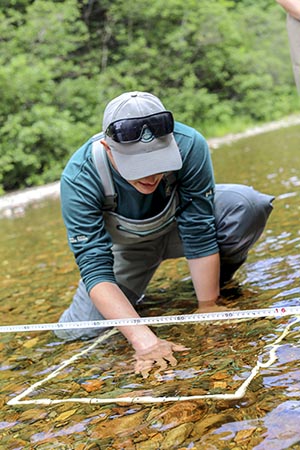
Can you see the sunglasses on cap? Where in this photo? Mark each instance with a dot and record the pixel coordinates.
(131, 130)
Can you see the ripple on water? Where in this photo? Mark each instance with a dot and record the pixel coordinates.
(4, 425)
(52, 433)
(274, 273)
(277, 430)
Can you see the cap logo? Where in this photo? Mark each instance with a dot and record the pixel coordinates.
(147, 135)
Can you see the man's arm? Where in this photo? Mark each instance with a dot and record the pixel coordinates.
(113, 304)
(205, 273)
(149, 349)
(197, 224)
(291, 6)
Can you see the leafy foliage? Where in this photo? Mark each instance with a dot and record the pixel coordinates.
(217, 64)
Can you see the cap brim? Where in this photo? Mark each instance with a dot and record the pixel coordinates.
(139, 160)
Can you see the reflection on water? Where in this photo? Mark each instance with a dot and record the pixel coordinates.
(279, 430)
(39, 276)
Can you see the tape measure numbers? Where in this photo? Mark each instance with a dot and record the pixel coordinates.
(158, 320)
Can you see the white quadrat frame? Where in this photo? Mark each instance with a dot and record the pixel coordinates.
(238, 394)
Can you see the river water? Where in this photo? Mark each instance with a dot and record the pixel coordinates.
(63, 394)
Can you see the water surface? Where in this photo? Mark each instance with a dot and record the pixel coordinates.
(38, 279)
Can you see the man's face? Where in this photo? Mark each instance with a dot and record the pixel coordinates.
(147, 185)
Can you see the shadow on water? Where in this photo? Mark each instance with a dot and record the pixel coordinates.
(38, 280)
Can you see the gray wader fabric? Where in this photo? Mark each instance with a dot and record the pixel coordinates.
(241, 214)
(293, 28)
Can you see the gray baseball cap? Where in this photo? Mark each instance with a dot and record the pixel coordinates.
(146, 157)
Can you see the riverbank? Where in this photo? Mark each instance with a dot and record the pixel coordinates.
(15, 203)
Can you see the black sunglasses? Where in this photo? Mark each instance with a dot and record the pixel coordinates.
(131, 130)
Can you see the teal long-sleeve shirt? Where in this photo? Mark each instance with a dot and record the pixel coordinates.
(82, 199)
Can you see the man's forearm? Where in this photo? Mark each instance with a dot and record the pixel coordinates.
(205, 274)
(113, 304)
(291, 6)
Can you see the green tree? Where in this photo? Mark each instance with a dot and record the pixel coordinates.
(211, 61)
(41, 114)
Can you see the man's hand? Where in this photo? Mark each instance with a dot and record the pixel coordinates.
(207, 307)
(160, 353)
(212, 307)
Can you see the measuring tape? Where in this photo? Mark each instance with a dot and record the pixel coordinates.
(159, 320)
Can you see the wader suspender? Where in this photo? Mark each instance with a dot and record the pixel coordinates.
(102, 165)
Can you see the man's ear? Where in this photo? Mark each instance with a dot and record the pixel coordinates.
(106, 146)
(109, 153)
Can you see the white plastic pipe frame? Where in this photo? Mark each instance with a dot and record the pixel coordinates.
(238, 394)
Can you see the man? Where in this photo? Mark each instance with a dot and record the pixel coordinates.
(292, 7)
(140, 192)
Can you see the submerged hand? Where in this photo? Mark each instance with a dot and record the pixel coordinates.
(211, 306)
(207, 308)
(160, 353)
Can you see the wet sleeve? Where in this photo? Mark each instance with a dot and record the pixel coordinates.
(87, 237)
(196, 223)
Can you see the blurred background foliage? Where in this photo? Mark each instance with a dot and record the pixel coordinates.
(219, 65)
